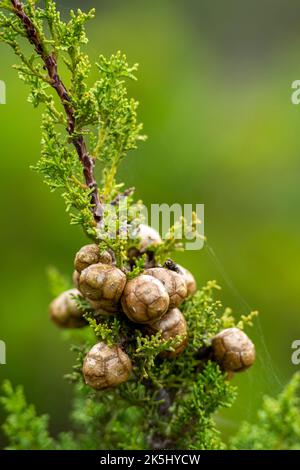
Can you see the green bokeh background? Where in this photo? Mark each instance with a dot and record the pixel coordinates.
(215, 92)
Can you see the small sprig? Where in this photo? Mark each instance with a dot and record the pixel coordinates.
(106, 330)
(100, 121)
(178, 235)
(147, 350)
(228, 320)
(203, 314)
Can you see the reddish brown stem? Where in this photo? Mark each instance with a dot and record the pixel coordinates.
(50, 65)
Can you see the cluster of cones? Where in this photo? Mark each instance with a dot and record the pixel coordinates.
(151, 299)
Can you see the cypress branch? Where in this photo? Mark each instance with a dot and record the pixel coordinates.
(55, 81)
(173, 383)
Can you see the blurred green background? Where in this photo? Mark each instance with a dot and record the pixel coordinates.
(215, 92)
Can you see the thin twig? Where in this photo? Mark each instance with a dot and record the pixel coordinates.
(50, 63)
(127, 193)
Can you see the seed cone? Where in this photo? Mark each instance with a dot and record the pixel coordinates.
(233, 350)
(173, 282)
(75, 278)
(90, 254)
(102, 282)
(64, 311)
(106, 367)
(189, 280)
(145, 299)
(172, 324)
(148, 237)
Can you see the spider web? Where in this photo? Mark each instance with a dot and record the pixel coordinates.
(266, 373)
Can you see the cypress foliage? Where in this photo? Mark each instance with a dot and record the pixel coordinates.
(167, 403)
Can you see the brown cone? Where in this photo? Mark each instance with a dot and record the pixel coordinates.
(106, 367)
